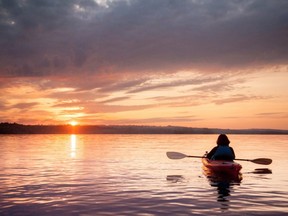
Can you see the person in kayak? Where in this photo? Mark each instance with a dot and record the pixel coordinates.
(222, 151)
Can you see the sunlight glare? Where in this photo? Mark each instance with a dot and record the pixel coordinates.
(73, 123)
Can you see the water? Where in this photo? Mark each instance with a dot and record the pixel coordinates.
(130, 175)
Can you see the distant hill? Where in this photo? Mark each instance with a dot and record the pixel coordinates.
(14, 128)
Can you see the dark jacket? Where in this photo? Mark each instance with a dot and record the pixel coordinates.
(217, 154)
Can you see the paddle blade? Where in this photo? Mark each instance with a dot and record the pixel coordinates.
(175, 155)
(264, 161)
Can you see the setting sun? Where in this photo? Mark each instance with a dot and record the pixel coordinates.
(73, 123)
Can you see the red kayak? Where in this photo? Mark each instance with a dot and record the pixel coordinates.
(227, 168)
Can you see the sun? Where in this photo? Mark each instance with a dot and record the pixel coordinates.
(73, 123)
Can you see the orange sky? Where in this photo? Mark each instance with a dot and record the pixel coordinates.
(187, 63)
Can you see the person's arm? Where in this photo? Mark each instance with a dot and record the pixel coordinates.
(211, 153)
(232, 152)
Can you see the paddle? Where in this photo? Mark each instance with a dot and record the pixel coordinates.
(178, 155)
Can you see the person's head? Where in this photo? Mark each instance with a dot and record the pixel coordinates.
(223, 140)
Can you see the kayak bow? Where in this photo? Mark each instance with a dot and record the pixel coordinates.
(221, 166)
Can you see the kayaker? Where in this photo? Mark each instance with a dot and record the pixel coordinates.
(222, 151)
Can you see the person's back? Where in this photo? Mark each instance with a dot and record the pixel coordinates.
(222, 151)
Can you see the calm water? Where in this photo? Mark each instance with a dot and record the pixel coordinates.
(130, 175)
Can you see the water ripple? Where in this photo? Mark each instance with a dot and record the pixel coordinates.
(130, 175)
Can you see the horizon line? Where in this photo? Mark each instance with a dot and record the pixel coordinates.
(137, 125)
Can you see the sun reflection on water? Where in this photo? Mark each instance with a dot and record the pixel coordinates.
(73, 145)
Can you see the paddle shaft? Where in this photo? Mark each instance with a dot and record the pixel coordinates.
(192, 156)
(195, 156)
(178, 155)
(243, 159)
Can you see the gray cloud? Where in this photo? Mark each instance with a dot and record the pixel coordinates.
(122, 85)
(115, 99)
(40, 38)
(24, 106)
(195, 81)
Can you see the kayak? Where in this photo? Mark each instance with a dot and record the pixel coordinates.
(227, 168)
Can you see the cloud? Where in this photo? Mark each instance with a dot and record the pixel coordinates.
(273, 115)
(116, 99)
(175, 83)
(236, 98)
(24, 106)
(122, 85)
(42, 38)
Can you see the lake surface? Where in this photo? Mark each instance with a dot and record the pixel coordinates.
(130, 175)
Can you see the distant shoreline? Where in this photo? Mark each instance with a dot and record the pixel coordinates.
(15, 128)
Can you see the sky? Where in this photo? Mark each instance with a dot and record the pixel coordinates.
(195, 63)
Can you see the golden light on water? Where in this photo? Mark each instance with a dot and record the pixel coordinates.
(73, 145)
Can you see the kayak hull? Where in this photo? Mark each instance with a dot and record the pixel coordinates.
(226, 169)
